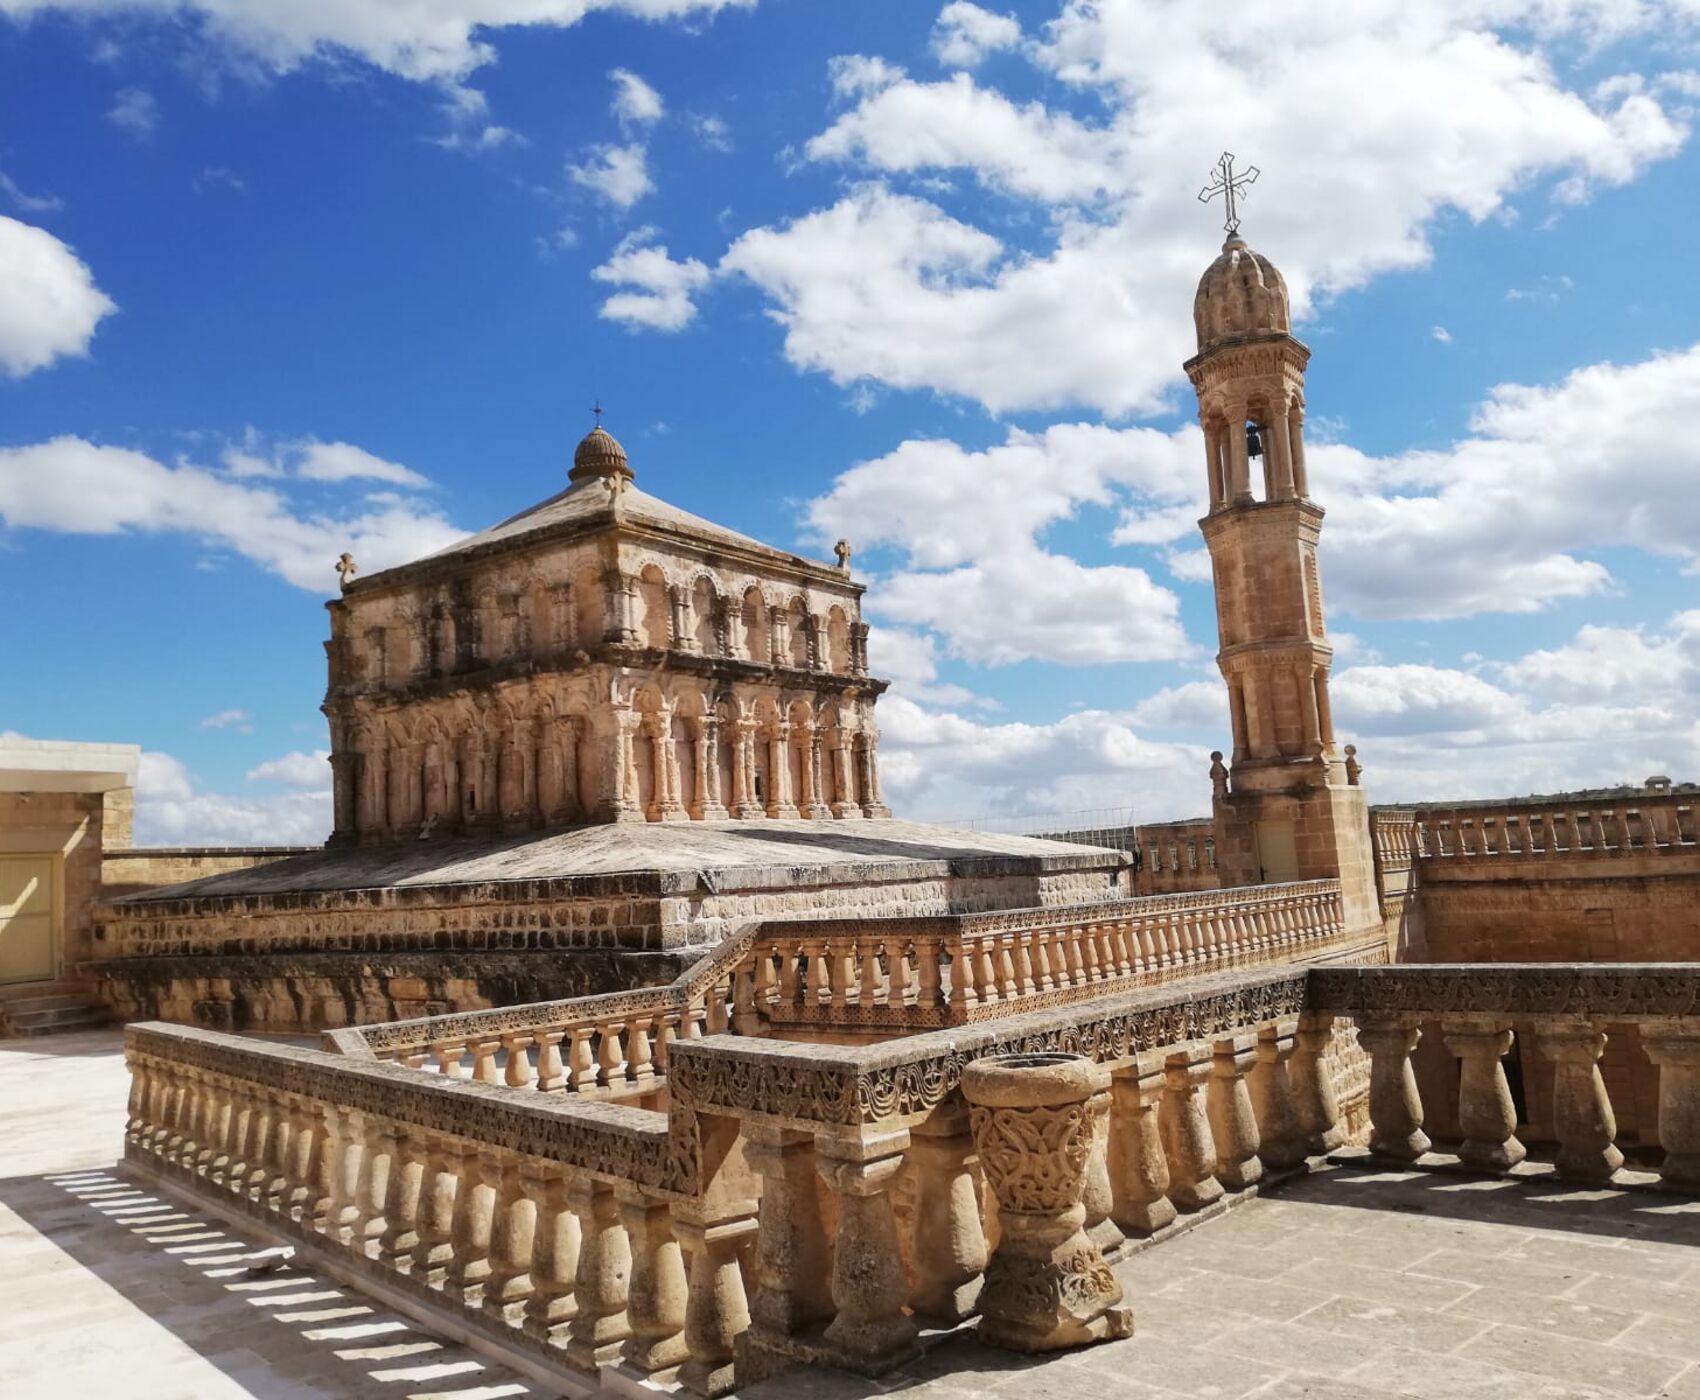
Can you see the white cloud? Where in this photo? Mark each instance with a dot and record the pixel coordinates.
(29, 203)
(296, 770)
(713, 132)
(172, 810)
(78, 487)
(49, 304)
(656, 290)
(885, 285)
(434, 40)
(343, 461)
(964, 34)
(1441, 334)
(1616, 663)
(909, 660)
(135, 112)
(635, 101)
(1193, 705)
(619, 174)
(239, 720)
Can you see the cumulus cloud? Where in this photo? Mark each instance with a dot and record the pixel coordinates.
(1469, 114)
(49, 304)
(619, 174)
(172, 809)
(635, 101)
(435, 40)
(75, 486)
(239, 720)
(295, 770)
(343, 461)
(656, 291)
(964, 34)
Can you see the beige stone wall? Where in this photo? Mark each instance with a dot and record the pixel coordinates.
(70, 827)
(131, 871)
(1177, 857)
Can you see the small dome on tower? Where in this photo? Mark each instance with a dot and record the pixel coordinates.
(601, 455)
(1241, 293)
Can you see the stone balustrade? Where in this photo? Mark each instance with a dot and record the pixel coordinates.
(808, 1203)
(1643, 824)
(910, 974)
(1394, 831)
(1569, 1011)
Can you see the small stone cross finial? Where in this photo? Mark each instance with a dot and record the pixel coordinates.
(1232, 188)
(596, 409)
(1354, 769)
(1218, 774)
(842, 550)
(616, 485)
(346, 569)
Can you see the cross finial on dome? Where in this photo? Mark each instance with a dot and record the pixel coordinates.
(596, 408)
(1232, 188)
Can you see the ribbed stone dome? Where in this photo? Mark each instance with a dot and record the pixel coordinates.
(1241, 293)
(600, 454)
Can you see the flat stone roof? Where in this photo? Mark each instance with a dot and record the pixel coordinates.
(635, 848)
(59, 765)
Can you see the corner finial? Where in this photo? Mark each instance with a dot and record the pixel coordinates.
(1232, 188)
(346, 569)
(842, 551)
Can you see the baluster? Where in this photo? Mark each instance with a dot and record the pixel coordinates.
(1008, 988)
(1674, 1046)
(790, 1265)
(372, 1189)
(868, 1285)
(841, 976)
(611, 1054)
(447, 1054)
(640, 1059)
(1186, 1130)
(817, 982)
(1485, 1110)
(1582, 1117)
(262, 1144)
(1279, 1124)
(744, 1015)
(1074, 959)
(520, 1074)
(307, 1137)
(439, 1186)
(551, 1071)
(665, 1033)
(1097, 1195)
(1313, 1085)
(962, 993)
(766, 983)
(1021, 963)
(790, 993)
(403, 1187)
(948, 1242)
(278, 1178)
(1139, 1168)
(1039, 959)
(1233, 1124)
(1395, 1107)
(716, 1010)
(985, 968)
(716, 1310)
(655, 1300)
(554, 1252)
(484, 1050)
(928, 979)
(873, 981)
(897, 975)
(581, 1060)
(507, 1287)
(599, 1328)
(475, 1207)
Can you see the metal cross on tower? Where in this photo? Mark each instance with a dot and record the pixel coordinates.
(1232, 188)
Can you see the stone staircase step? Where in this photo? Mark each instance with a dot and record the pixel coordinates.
(78, 1016)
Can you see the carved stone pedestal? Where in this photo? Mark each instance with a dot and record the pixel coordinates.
(1047, 1286)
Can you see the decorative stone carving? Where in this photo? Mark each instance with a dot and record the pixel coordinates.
(1048, 1285)
(1485, 1110)
(1582, 1116)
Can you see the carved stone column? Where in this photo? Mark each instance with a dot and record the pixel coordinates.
(1674, 1046)
(716, 1310)
(1279, 1124)
(812, 806)
(1313, 1085)
(1186, 1130)
(1582, 1117)
(596, 1333)
(554, 1253)
(1047, 1285)
(744, 804)
(1139, 1168)
(844, 781)
(873, 800)
(871, 1330)
(1485, 1111)
(791, 1265)
(1233, 1124)
(949, 1252)
(1395, 1107)
(706, 804)
(780, 802)
(655, 1302)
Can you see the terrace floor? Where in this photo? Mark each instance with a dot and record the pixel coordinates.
(1347, 1285)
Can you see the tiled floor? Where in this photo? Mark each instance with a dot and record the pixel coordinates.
(1348, 1285)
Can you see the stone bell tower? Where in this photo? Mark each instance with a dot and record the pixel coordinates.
(1289, 807)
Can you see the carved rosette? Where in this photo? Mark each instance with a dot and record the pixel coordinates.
(1048, 1285)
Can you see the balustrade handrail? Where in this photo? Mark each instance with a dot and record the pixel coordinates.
(1647, 823)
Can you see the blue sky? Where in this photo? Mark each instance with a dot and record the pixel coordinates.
(274, 283)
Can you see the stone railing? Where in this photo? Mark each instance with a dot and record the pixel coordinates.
(912, 974)
(1394, 832)
(760, 1223)
(1568, 1009)
(1637, 825)
(873, 977)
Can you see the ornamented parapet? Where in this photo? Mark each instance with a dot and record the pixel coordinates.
(1637, 824)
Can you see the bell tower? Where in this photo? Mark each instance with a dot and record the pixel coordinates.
(1286, 808)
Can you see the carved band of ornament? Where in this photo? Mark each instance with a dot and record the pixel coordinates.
(610, 1141)
(1517, 989)
(793, 1083)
